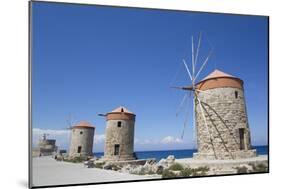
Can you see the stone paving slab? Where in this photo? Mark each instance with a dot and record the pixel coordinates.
(47, 171)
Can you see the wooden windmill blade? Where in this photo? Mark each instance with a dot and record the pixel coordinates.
(208, 114)
(186, 119)
(207, 128)
(198, 47)
(187, 69)
(181, 104)
(204, 63)
(197, 53)
(184, 125)
(193, 75)
(193, 61)
(204, 118)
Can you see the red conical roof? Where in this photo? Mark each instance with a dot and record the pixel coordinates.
(121, 109)
(217, 73)
(84, 124)
(120, 113)
(219, 79)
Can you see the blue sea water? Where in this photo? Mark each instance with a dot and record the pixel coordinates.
(261, 150)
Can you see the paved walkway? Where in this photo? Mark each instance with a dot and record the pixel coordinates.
(47, 171)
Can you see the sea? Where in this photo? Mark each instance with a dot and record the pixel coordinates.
(158, 155)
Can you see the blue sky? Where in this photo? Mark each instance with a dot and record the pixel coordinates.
(88, 60)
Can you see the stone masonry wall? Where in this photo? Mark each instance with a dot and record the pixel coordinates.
(84, 139)
(225, 115)
(124, 136)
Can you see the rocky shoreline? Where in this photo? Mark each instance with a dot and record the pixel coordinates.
(171, 167)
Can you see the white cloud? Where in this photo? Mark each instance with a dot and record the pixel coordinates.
(165, 140)
(51, 132)
(63, 139)
(146, 141)
(141, 141)
(171, 140)
(99, 138)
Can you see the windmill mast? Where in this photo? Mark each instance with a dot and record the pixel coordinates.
(193, 76)
(193, 68)
(193, 87)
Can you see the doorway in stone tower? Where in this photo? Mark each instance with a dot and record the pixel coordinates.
(242, 138)
(79, 149)
(116, 149)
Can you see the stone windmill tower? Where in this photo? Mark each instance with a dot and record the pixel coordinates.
(82, 137)
(219, 113)
(222, 125)
(119, 135)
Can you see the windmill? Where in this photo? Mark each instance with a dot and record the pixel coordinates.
(193, 75)
(219, 111)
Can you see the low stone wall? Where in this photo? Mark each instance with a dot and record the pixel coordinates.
(133, 162)
(219, 167)
(242, 154)
(188, 167)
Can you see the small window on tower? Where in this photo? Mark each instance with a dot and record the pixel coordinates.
(119, 124)
(236, 94)
(81, 132)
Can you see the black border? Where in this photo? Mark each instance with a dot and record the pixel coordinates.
(143, 8)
